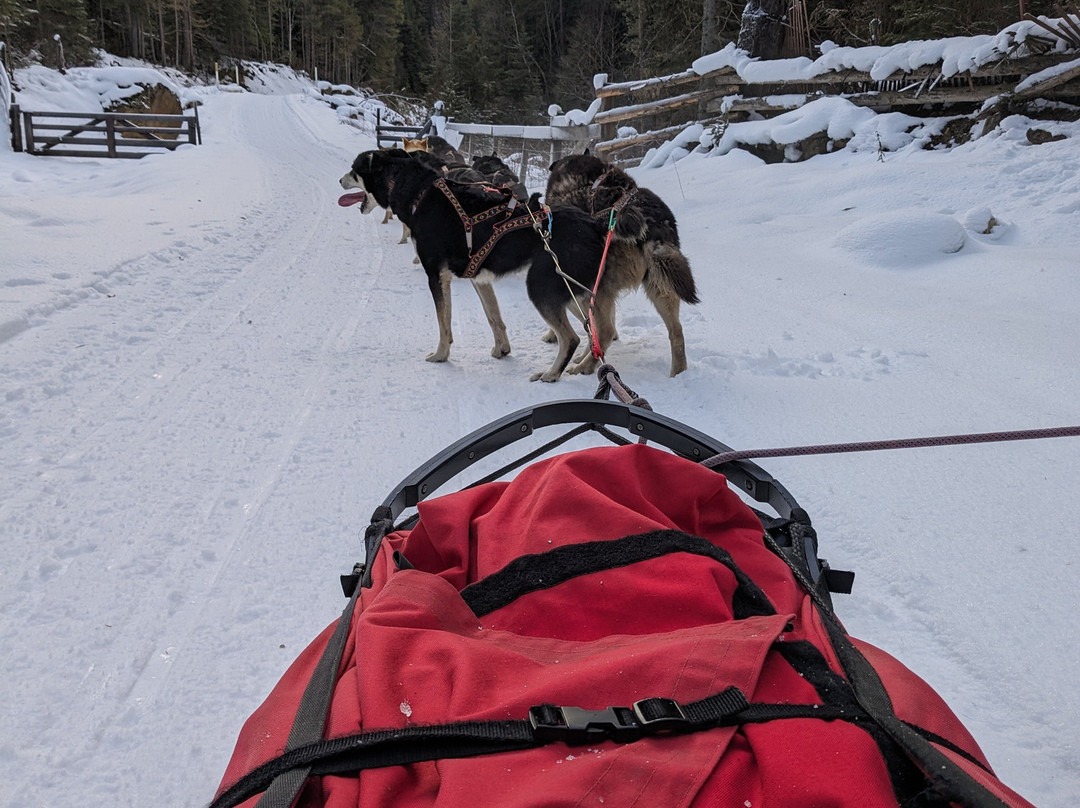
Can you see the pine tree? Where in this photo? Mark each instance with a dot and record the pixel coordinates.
(60, 31)
(593, 46)
(383, 22)
(15, 19)
(663, 36)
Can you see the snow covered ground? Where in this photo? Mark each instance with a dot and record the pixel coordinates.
(210, 374)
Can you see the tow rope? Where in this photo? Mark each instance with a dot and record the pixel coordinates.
(611, 383)
(597, 351)
(899, 443)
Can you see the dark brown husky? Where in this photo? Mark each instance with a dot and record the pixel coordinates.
(645, 251)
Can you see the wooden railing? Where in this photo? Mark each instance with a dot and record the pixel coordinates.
(388, 136)
(7, 95)
(101, 134)
(528, 150)
(659, 108)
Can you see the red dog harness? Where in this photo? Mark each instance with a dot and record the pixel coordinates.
(515, 216)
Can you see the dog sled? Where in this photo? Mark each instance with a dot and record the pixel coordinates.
(614, 626)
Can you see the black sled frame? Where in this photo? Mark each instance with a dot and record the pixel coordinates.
(789, 531)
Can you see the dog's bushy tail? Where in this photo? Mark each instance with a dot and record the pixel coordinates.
(630, 224)
(669, 272)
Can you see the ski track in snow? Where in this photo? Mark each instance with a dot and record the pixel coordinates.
(194, 441)
(217, 397)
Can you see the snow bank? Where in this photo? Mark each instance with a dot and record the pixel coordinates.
(902, 239)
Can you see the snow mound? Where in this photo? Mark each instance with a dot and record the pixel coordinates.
(982, 222)
(902, 239)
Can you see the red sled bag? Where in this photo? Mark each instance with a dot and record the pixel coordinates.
(614, 627)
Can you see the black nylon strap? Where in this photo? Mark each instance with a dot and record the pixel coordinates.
(379, 749)
(312, 712)
(948, 778)
(954, 784)
(314, 705)
(532, 573)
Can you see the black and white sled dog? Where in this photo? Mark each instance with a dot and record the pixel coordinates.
(436, 209)
(646, 238)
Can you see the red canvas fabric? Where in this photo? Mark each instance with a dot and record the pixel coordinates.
(418, 655)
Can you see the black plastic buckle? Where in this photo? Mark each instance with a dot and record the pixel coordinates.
(352, 580)
(574, 725)
(660, 715)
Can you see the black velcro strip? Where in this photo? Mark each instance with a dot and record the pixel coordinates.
(532, 573)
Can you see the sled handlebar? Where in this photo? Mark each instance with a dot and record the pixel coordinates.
(681, 439)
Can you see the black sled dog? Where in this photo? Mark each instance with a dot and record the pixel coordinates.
(499, 174)
(646, 239)
(482, 233)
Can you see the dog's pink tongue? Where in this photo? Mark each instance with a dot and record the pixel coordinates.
(351, 199)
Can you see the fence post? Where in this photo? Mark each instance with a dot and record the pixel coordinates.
(28, 135)
(110, 135)
(16, 129)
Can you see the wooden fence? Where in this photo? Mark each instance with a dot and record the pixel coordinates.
(101, 134)
(527, 150)
(659, 108)
(388, 136)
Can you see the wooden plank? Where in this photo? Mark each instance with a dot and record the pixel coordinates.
(879, 101)
(150, 130)
(98, 153)
(28, 133)
(662, 105)
(674, 80)
(1050, 82)
(67, 127)
(195, 128)
(16, 128)
(633, 140)
(1002, 69)
(135, 116)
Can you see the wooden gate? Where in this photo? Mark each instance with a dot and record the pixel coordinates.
(101, 134)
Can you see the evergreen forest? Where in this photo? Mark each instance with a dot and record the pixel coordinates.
(488, 60)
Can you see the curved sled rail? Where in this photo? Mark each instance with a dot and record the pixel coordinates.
(681, 439)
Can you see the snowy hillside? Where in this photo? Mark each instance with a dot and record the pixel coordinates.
(210, 374)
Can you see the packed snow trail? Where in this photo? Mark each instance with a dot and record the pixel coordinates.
(210, 374)
(219, 374)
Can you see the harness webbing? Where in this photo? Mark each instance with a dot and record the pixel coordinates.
(509, 208)
(546, 724)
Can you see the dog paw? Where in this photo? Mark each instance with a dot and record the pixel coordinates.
(586, 366)
(546, 376)
(499, 351)
(438, 356)
(549, 337)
